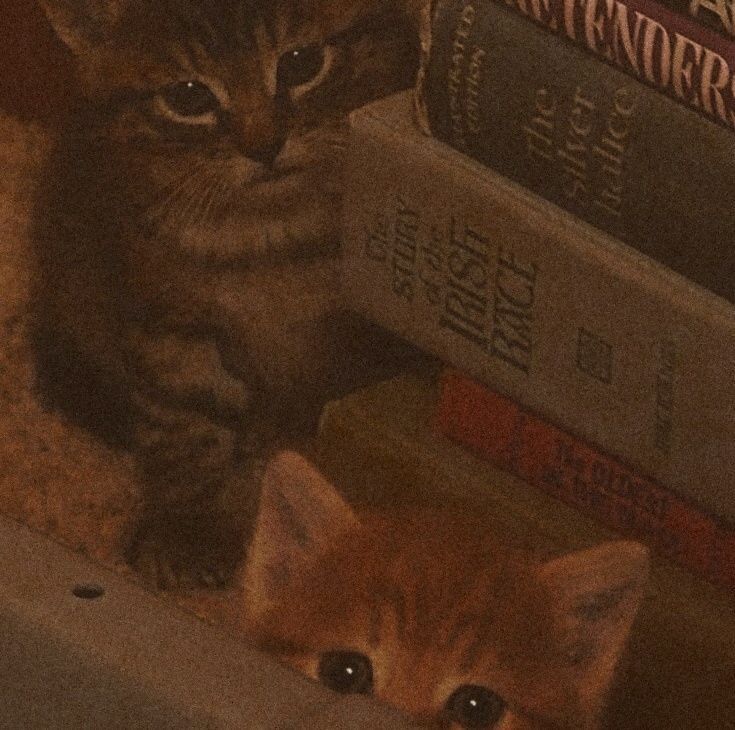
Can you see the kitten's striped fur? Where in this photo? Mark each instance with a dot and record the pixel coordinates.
(437, 603)
(187, 238)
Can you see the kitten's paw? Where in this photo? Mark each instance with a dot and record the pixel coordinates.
(175, 551)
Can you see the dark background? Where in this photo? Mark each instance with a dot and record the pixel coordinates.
(36, 70)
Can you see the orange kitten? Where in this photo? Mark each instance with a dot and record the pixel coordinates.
(432, 613)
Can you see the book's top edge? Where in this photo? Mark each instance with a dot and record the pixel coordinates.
(397, 113)
(420, 108)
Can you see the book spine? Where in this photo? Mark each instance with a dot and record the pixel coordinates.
(634, 35)
(588, 137)
(580, 475)
(718, 16)
(540, 306)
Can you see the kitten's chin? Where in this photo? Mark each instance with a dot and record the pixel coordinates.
(291, 217)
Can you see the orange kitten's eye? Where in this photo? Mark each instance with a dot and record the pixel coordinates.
(475, 707)
(300, 66)
(189, 99)
(347, 672)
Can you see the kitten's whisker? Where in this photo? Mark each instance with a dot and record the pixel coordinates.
(188, 172)
(181, 190)
(228, 194)
(172, 188)
(217, 189)
(163, 205)
(205, 201)
(170, 214)
(209, 187)
(183, 209)
(194, 202)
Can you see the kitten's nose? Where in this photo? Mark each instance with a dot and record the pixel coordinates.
(266, 154)
(262, 143)
(257, 127)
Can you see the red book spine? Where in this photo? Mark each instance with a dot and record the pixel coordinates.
(661, 47)
(597, 484)
(629, 12)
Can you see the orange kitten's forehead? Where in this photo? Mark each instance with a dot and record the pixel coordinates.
(433, 605)
(433, 611)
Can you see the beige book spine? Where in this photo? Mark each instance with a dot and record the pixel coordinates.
(576, 326)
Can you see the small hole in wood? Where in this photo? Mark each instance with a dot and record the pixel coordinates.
(88, 591)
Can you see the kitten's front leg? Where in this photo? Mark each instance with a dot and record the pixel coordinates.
(198, 462)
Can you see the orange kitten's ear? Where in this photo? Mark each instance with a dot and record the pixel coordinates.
(596, 595)
(83, 24)
(300, 517)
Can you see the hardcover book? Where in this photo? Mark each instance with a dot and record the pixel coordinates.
(586, 136)
(580, 474)
(652, 41)
(556, 315)
(715, 14)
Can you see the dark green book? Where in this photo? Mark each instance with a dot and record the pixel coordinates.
(584, 135)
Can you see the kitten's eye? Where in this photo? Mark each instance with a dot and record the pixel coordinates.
(189, 99)
(300, 66)
(472, 706)
(347, 672)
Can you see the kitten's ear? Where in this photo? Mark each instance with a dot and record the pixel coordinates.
(83, 24)
(300, 517)
(596, 594)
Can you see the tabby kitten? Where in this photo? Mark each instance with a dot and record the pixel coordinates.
(432, 613)
(187, 303)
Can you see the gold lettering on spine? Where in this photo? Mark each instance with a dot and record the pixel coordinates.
(574, 152)
(722, 9)
(466, 302)
(569, 15)
(539, 131)
(544, 13)
(650, 32)
(711, 87)
(454, 74)
(622, 37)
(515, 293)
(594, 26)
(610, 151)
(643, 46)
(540, 10)
(682, 68)
(519, 4)
(474, 83)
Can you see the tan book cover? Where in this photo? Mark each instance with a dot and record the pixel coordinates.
(378, 446)
(578, 327)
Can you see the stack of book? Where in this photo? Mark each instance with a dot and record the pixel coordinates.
(551, 215)
(563, 237)
(379, 446)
